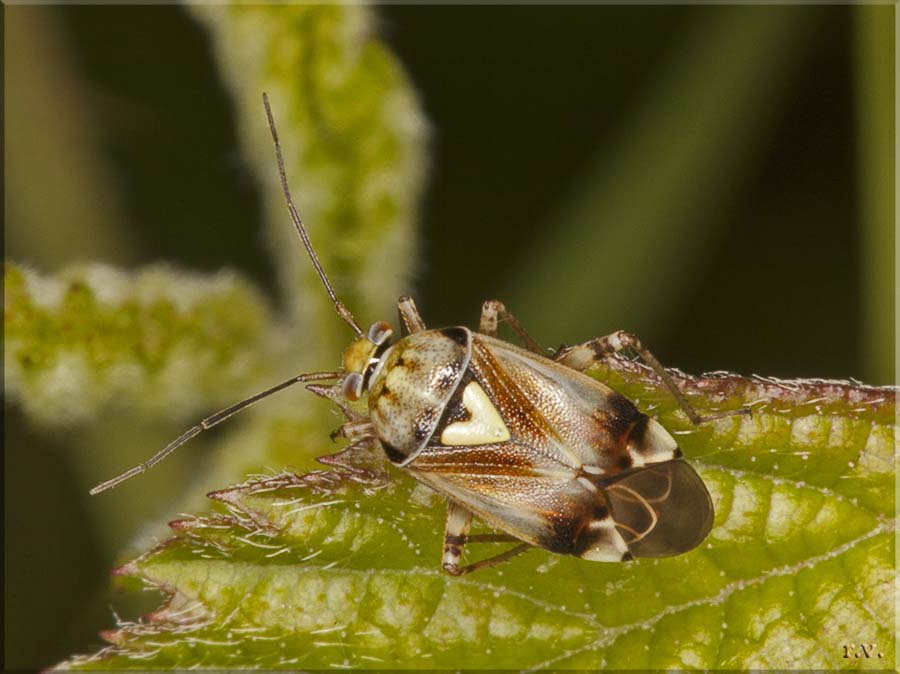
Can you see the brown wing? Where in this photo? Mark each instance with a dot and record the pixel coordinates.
(555, 409)
(524, 493)
(565, 436)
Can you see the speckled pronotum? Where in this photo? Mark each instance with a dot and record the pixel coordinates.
(513, 434)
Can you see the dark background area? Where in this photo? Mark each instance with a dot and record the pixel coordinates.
(520, 100)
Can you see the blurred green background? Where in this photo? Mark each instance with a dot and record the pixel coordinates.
(718, 180)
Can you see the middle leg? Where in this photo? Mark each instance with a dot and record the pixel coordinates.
(456, 536)
(361, 453)
(584, 355)
(491, 311)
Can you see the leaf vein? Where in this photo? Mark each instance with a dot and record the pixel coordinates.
(609, 637)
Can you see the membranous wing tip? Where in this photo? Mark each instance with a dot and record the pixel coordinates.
(660, 510)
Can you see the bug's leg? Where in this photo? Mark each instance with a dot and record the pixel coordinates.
(409, 315)
(582, 356)
(491, 538)
(489, 561)
(354, 430)
(353, 456)
(456, 536)
(491, 311)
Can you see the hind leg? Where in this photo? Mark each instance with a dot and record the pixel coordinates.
(493, 311)
(456, 535)
(581, 357)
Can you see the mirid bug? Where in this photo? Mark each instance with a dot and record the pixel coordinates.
(512, 434)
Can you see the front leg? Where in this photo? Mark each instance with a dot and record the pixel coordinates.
(456, 535)
(491, 310)
(363, 452)
(410, 318)
(354, 430)
(458, 522)
(581, 357)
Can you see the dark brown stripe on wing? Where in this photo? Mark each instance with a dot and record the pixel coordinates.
(502, 459)
(621, 417)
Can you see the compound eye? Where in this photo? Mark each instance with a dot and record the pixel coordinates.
(352, 386)
(379, 332)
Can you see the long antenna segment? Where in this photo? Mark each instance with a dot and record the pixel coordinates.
(207, 423)
(342, 310)
(222, 415)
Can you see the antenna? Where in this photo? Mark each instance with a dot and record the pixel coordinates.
(342, 310)
(222, 415)
(207, 423)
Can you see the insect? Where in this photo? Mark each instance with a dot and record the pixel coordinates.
(518, 437)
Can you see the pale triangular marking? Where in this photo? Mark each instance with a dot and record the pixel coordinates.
(484, 425)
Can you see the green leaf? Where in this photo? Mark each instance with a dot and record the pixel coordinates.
(160, 341)
(340, 569)
(353, 142)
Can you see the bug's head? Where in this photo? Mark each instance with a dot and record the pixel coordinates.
(362, 357)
